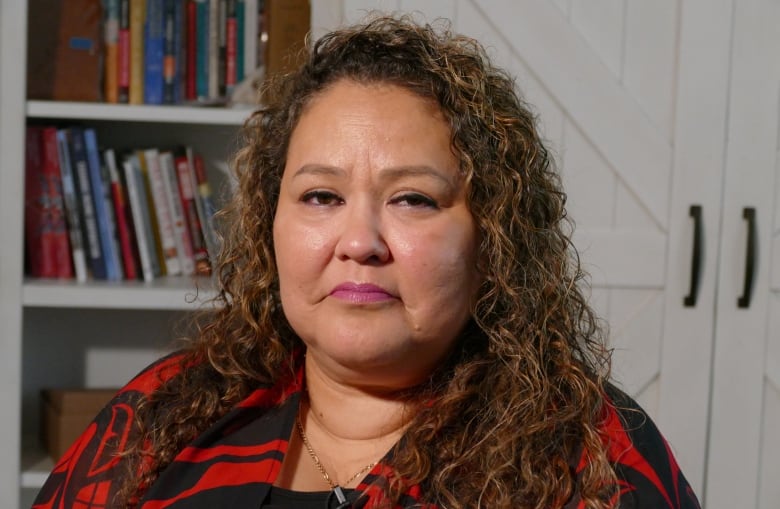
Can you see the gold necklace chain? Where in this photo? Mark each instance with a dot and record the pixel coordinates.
(319, 464)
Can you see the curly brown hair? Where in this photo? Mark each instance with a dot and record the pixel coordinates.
(528, 373)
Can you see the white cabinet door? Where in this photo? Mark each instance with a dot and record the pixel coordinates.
(743, 469)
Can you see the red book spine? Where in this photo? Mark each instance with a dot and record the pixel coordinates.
(191, 52)
(186, 191)
(230, 58)
(60, 244)
(126, 239)
(123, 52)
(37, 226)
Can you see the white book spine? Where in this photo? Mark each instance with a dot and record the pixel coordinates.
(162, 211)
(138, 220)
(250, 36)
(180, 230)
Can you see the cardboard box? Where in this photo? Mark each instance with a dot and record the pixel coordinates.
(289, 22)
(64, 49)
(67, 413)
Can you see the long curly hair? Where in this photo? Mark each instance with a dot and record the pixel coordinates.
(521, 397)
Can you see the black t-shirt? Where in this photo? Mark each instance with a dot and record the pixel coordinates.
(280, 498)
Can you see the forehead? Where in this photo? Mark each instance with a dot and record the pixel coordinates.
(384, 124)
(379, 99)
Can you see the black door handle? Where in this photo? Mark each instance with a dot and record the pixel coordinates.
(696, 256)
(749, 214)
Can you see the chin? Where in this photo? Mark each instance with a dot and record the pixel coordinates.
(381, 367)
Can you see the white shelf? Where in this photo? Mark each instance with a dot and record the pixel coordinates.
(211, 115)
(171, 293)
(36, 466)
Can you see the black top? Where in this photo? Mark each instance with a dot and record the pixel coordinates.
(280, 498)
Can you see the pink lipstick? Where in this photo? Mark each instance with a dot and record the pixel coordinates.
(361, 293)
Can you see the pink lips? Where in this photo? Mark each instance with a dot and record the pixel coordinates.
(361, 293)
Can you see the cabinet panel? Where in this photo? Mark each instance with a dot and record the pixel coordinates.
(769, 488)
(12, 54)
(742, 402)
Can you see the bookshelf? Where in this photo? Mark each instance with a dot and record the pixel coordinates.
(171, 293)
(98, 333)
(138, 113)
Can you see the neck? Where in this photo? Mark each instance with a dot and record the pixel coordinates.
(349, 428)
(352, 414)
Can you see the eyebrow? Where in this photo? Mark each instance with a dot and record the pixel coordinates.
(385, 174)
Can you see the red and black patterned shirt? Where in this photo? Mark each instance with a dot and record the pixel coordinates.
(236, 461)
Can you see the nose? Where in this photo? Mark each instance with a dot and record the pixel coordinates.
(361, 238)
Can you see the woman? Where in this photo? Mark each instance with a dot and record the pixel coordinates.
(400, 321)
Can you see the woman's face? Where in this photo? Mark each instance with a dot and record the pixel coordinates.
(375, 243)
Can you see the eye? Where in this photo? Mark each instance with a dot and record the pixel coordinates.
(321, 198)
(415, 200)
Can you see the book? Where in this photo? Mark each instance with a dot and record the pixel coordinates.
(231, 46)
(104, 215)
(204, 201)
(53, 186)
(154, 52)
(123, 53)
(180, 50)
(39, 238)
(191, 52)
(70, 200)
(78, 157)
(241, 34)
(139, 207)
(202, 49)
(155, 244)
(181, 233)
(111, 57)
(162, 212)
(213, 52)
(137, 23)
(123, 216)
(221, 46)
(169, 53)
(187, 190)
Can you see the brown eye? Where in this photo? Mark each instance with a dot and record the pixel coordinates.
(322, 198)
(415, 200)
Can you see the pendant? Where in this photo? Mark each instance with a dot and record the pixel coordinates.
(341, 498)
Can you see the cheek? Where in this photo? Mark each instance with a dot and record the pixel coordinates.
(300, 251)
(445, 264)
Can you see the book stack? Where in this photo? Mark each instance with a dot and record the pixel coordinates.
(175, 51)
(99, 214)
(159, 51)
(188, 51)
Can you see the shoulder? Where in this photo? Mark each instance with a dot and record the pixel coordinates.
(156, 374)
(647, 470)
(93, 461)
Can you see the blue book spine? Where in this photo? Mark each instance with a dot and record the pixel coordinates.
(240, 34)
(70, 196)
(102, 214)
(80, 165)
(154, 52)
(202, 49)
(180, 50)
(169, 56)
